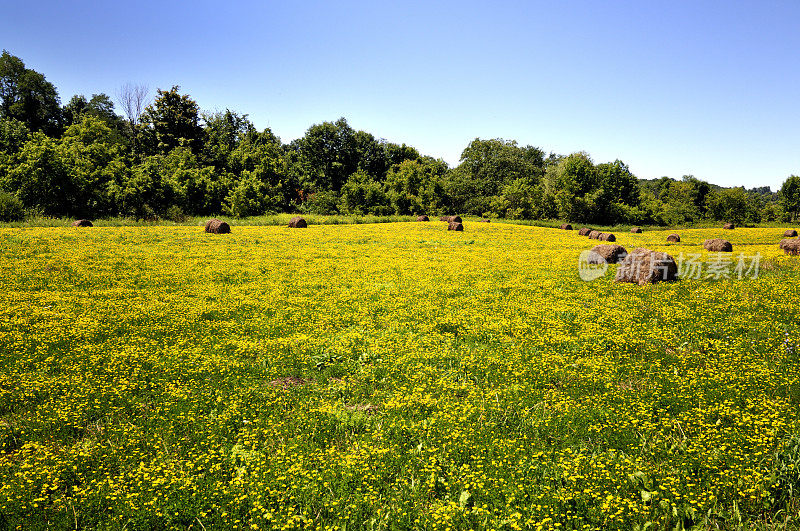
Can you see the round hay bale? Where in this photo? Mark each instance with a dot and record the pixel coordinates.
(566, 226)
(673, 238)
(644, 266)
(610, 254)
(636, 230)
(483, 221)
(423, 218)
(594, 235)
(297, 223)
(584, 231)
(718, 245)
(444, 218)
(217, 226)
(607, 237)
(790, 233)
(82, 223)
(729, 226)
(455, 225)
(455, 219)
(791, 247)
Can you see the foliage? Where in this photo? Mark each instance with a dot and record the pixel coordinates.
(363, 195)
(11, 208)
(40, 178)
(224, 131)
(84, 159)
(790, 197)
(414, 186)
(325, 202)
(26, 95)
(486, 167)
(171, 121)
(734, 205)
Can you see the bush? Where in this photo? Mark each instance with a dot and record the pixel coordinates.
(322, 203)
(11, 208)
(176, 214)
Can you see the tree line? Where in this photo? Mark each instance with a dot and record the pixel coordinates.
(166, 158)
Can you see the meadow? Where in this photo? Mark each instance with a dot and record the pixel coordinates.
(391, 376)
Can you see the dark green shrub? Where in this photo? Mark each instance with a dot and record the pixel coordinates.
(11, 208)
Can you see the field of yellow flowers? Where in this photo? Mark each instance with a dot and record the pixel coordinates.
(391, 376)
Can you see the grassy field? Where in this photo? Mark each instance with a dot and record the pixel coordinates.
(391, 376)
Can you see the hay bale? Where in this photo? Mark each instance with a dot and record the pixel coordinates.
(454, 219)
(610, 254)
(791, 247)
(82, 223)
(595, 234)
(673, 238)
(636, 230)
(423, 218)
(217, 226)
(566, 226)
(584, 231)
(455, 225)
(644, 266)
(790, 233)
(718, 245)
(483, 221)
(607, 237)
(297, 223)
(729, 226)
(444, 218)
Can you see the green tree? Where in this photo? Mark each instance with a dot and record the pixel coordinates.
(11, 208)
(361, 194)
(397, 153)
(40, 177)
(26, 95)
(73, 175)
(171, 121)
(99, 106)
(224, 131)
(414, 186)
(145, 192)
(196, 188)
(370, 155)
(486, 167)
(327, 155)
(91, 151)
(789, 197)
(618, 183)
(13, 135)
(260, 157)
(519, 199)
(734, 205)
(573, 186)
(251, 197)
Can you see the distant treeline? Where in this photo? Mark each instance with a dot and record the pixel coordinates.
(168, 159)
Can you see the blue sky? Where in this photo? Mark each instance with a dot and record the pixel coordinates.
(708, 88)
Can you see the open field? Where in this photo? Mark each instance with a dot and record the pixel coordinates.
(391, 376)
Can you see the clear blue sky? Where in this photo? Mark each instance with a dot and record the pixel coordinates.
(708, 88)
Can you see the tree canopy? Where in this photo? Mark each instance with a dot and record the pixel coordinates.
(168, 159)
